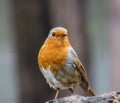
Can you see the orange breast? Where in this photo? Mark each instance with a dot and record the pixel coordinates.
(53, 54)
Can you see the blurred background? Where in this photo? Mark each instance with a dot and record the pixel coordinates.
(94, 32)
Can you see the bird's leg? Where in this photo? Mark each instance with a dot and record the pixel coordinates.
(56, 95)
(71, 90)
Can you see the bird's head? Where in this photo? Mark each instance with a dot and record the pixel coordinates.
(58, 36)
(58, 32)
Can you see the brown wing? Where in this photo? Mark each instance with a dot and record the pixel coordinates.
(79, 67)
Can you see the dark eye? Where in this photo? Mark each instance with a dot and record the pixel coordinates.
(64, 35)
(53, 34)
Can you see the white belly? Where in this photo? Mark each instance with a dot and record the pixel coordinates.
(63, 78)
(51, 79)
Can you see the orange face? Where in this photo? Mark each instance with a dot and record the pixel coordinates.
(58, 32)
(58, 37)
(61, 32)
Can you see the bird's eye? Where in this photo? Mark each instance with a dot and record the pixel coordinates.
(53, 34)
(64, 35)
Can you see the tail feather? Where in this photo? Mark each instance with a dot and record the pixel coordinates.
(87, 88)
(90, 92)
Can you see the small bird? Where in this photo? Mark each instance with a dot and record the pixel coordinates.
(60, 64)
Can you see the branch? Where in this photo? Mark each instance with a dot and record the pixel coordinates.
(112, 97)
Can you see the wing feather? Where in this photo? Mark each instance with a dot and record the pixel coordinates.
(81, 69)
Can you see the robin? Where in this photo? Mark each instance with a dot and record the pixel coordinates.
(60, 64)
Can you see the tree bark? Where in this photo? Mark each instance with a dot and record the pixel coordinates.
(112, 97)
